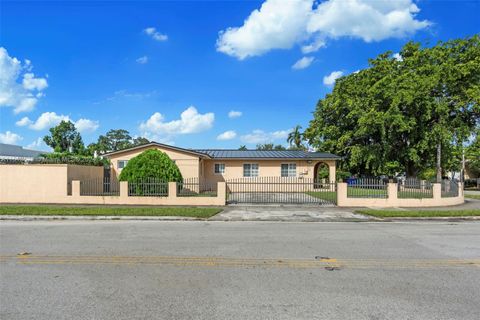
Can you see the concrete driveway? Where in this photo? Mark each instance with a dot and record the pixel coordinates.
(275, 197)
(312, 213)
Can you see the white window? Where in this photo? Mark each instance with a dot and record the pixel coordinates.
(250, 170)
(219, 168)
(121, 164)
(289, 170)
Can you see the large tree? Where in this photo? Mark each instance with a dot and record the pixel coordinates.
(115, 140)
(401, 114)
(65, 138)
(270, 146)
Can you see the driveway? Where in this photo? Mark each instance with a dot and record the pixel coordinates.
(312, 213)
(275, 197)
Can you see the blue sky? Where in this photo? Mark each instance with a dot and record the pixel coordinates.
(173, 71)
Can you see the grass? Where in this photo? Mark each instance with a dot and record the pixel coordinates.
(324, 195)
(419, 213)
(356, 192)
(108, 211)
(473, 196)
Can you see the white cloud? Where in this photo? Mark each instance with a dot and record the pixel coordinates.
(9, 137)
(86, 125)
(190, 122)
(227, 135)
(32, 83)
(45, 120)
(18, 86)
(280, 24)
(303, 63)
(50, 119)
(260, 136)
(142, 60)
(332, 77)
(25, 121)
(152, 32)
(38, 144)
(234, 114)
(397, 56)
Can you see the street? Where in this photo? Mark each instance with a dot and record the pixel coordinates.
(239, 270)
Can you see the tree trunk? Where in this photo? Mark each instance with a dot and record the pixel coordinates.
(411, 170)
(439, 163)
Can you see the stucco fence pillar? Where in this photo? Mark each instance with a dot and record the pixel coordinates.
(392, 199)
(172, 199)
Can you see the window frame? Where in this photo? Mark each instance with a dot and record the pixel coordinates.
(288, 164)
(219, 166)
(250, 169)
(124, 164)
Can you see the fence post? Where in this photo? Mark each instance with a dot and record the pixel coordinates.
(123, 189)
(392, 191)
(341, 193)
(75, 188)
(222, 191)
(172, 189)
(437, 191)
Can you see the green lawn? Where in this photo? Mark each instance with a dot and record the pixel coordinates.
(37, 210)
(355, 192)
(418, 213)
(473, 196)
(330, 196)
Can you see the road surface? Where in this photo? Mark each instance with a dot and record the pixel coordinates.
(239, 270)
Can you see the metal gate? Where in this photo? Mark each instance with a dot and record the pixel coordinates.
(281, 190)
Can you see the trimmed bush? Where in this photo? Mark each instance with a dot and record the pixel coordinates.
(151, 164)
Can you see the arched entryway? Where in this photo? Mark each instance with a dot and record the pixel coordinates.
(325, 171)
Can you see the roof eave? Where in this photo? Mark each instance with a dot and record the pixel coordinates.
(166, 146)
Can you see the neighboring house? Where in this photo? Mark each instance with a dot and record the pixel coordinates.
(14, 152)
(221, 165)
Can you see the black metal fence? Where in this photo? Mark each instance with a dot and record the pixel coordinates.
(283, 190)
(413, 188)
(150, 187)
(100, 187)
(195, 187)
(449, 188)
(367, 188)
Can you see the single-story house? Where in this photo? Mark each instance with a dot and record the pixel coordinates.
(14, 152)
(215, 165)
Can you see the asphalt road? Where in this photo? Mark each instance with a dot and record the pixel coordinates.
(239, 270)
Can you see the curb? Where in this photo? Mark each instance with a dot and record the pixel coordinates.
(101, 218)
(438, 219)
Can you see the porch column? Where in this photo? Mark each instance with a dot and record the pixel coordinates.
(332, 171)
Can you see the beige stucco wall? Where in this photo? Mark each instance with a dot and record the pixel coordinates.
(77, 172)
(266, 168)
(392, 199)
(188, 164)
(33, 183)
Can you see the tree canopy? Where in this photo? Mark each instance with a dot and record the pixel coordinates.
(269, 146)
(114, 140)
(65, 138)
(393, 116)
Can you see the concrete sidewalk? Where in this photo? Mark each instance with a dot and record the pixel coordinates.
(288, 213)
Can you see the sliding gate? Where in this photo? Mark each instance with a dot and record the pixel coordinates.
(281, 190)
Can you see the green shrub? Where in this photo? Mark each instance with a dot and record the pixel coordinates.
(60, 158)
(151, 164)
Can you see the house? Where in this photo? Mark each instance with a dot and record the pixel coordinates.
(14, 152)
(221, 165)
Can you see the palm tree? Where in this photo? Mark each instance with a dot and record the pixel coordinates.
(295, 137)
